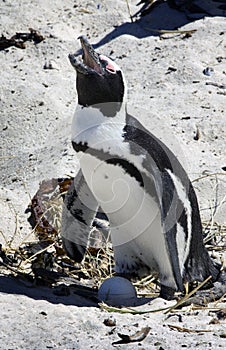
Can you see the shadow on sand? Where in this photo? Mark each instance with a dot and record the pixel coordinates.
(162, 17)
(76, 295)
(12, 285)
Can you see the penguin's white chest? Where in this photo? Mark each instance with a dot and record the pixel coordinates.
(119, 193)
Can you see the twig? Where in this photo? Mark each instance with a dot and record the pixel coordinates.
(177, 31)
(137, 337)
(186, 297)
(4, 237)
(84, 10)
(16, 227)
(188, 330)
(7, 157)
(208, 175)
(145, 281)
(125, 310)
(128, 7)
(38, 253)
(14, 269)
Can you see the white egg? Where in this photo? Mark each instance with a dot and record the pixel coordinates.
(117, 291)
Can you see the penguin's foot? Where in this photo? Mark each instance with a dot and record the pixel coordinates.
(204, 297)
(167, 292)
(74, 251)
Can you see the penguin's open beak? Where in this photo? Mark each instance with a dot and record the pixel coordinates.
(91, 61)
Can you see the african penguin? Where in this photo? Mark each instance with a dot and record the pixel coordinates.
(136, 180)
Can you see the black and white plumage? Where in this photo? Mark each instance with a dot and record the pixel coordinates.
(136, 180)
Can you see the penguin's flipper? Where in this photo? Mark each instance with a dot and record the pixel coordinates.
(79, 210)
(169, 222)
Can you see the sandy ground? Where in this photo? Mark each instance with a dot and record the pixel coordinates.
(167, 90)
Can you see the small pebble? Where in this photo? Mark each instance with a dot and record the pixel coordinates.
(43, 313)
(110, 322)
(208, 71)
(50, 65)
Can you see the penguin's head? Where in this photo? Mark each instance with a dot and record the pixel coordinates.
(99, 79)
